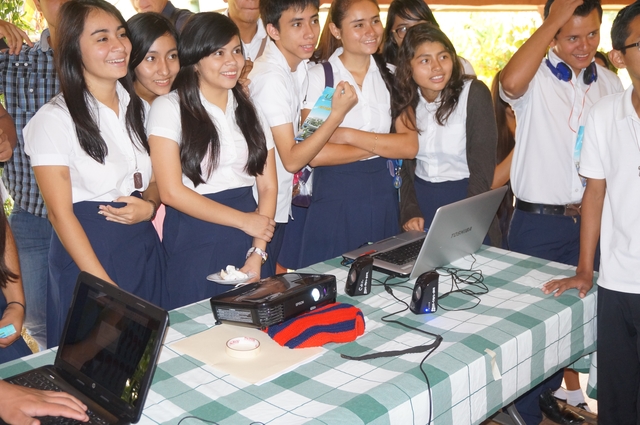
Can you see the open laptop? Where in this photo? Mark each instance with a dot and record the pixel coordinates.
(107, 354)
(457, 229)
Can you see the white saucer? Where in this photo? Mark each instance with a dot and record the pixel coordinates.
(217, 279)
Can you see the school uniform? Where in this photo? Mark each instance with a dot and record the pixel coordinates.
(197, 248)
(455, 160)
(254, 49)
(353, 203)
(130, 254)
(544, 174)
(278, 93)
(611, 152)
(19, 348)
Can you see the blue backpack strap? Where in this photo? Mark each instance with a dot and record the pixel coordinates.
(328, 74)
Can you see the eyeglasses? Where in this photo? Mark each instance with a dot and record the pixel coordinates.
(401, 31)
(632, 45)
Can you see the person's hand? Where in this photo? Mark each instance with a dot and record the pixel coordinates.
(416, 223)
(19, 405)
(583, 282)
(252, 265)
(13, 37)
(13, 315)
(258, 226)
(136, 210)
(562, 10)
(6, 151)
(344, 98)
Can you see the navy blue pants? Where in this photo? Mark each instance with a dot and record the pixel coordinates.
(352, 204)
(19, 348)
(290, 253)
(130, 254)
(618, 357)
(273, 249)
(432, 196)
(197, 248)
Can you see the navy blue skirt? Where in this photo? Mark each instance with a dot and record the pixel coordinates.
(432, 196)
(290, 252)
(19, 348)
(352, 204)
(132, 256)
(197, 248)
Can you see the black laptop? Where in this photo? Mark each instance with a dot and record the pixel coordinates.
(107, 355)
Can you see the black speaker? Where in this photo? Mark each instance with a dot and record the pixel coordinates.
(359, 278)
(425, 293)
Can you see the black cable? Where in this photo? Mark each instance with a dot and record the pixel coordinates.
(473, 278)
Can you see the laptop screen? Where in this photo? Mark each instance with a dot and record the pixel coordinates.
(111, 344)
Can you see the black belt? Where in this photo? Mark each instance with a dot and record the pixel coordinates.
(570, 210)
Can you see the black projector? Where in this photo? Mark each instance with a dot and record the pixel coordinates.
(274, 299)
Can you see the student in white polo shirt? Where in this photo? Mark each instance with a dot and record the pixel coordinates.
(551, 92)
(246, 15)
(610, 161)
(279, 82)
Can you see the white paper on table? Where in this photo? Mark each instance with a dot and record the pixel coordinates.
(273, 360)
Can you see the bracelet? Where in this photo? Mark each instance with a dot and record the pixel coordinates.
(155, 209)
(16, 302)
(258, 251)
(375, 143)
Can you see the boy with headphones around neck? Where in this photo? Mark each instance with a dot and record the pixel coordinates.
(610, 162)
(551, 82)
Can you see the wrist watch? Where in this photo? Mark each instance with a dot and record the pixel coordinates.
(258, 251)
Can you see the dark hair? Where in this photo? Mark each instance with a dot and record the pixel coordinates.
(620, 30)
(583, 10)
(202, 35)
(144, 30)
(6, 274)
(410, 10)
(506, 140)
(271, 10)
(69, 65)
(407, 94)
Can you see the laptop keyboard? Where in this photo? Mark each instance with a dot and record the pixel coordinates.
(39, 382)
(403, 254)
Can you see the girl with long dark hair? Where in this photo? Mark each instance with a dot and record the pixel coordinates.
(354, 197)
(453, 114)
(89, 153)
(212, 146)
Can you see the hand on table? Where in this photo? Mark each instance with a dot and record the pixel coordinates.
(582, 282)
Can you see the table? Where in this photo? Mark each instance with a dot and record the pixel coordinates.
(532, 335)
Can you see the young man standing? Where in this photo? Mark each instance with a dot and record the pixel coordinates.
(551, 92)
(28, 80)
(278, 87)
(610, 161)
(178, 17)
(246, 15)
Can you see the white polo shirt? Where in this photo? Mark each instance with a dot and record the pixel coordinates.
(50, 139)
(252, 49)
(611, 151)
(279, 93)
(549, 116)
(372, 112)
(442, 155)
(164, 121)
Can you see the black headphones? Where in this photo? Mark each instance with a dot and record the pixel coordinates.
(563, 73)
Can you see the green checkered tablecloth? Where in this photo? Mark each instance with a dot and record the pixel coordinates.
(532, 335)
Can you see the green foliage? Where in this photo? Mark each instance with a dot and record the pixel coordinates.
(13, 11)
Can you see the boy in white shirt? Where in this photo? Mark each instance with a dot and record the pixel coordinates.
(551, 82)
(278, 87)
(610, 161)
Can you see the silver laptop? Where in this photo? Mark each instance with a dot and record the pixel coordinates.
(107, 355)
(457, 229)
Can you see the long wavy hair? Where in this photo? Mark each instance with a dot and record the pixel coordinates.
(410, 10)
(6, 274)
(202, 35)
(68, 60)
(407, 94)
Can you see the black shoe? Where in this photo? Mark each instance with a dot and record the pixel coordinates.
(555, 412)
